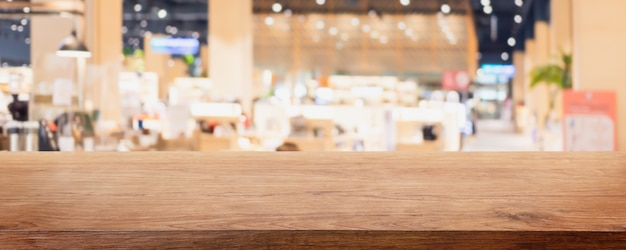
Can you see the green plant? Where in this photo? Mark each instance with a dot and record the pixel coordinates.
(554, 74)
(556, 77)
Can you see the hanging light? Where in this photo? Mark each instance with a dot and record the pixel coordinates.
(277, 7)
(72, 47)
(511, 41)
(445, 8)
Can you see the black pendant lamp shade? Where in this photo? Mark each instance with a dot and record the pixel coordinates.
(72, 47)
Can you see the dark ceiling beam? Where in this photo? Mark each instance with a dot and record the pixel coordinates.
(534, 11)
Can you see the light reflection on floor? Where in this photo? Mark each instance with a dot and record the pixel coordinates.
(497, 135)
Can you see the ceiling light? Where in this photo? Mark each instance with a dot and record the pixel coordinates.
(445, 8)
(124, 30)
(195, 35)
(26, 10)
(13, 27)
(371, 13)
(408, 32)
(20, 28)
(511, 41)
(384, 39)
(72, 47)
(504, 56)
(488, 9)
(288, 12)
(519, 3)
(518, 18)
(162, 13)
(405, 2)
(355, 21)
(269, 21)
(277, 7)
(137, 7)
(366, 28)
(375, 34)
(485, 2)
(320, 2)
(320, 25)
(24, 21)
(27, 40)
(333, 31)
(402, 25)
(143, 23)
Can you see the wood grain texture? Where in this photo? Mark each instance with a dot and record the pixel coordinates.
(300, 200)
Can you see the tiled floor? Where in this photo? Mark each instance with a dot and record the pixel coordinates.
(497, 135)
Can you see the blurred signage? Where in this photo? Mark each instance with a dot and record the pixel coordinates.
(455, 80)
(175, 46)
(491, 79)
(498, 69)
(590, 121)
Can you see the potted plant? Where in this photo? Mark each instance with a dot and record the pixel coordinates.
(556, 76)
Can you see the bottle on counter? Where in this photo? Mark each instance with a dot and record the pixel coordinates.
(67, 143)
(89, 134)
(31, 138)
(14, 129)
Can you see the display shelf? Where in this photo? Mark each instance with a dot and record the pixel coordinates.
(371, 123)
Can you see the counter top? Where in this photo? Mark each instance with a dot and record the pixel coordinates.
(309, 200)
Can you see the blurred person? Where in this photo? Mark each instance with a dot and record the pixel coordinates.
(288, 146)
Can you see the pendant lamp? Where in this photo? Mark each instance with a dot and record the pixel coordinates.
(72, 47)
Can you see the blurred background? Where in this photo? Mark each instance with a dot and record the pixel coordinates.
(311, 75)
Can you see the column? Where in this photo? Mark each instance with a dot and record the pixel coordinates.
(560, 36)
(472, 46)
(540, 94)
(599, 33)
(103, 37)
(47, 32)
(529, 63)
(163, 65)
(231, 50)
(561, 26)
(519, 90)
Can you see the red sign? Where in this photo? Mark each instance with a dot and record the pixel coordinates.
(589, 121)
(455, 80)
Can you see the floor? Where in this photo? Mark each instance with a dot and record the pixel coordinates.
(498, 135)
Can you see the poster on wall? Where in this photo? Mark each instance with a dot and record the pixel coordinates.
(589, 121)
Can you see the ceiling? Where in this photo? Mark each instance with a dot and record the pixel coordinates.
(387, 49)
(190, 17)
(405, 45)
(14, 40)
(494, 30)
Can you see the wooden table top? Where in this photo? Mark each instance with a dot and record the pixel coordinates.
(52, 199)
